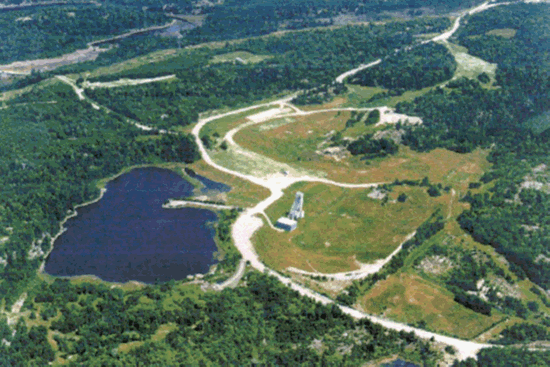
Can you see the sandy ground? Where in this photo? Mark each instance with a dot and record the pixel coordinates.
(389, 116)
(126, 82)
(176, 204)
(25, 67)
(267, 115)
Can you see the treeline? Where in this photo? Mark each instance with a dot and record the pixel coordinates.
(523, 333)
(319, 95)
(53, 31)
(262, 323)
(421, 67)
(125, 49)
(370, 148)
(51, 155)
(358, 40)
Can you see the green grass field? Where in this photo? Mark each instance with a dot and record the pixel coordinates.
(469, 66)
(343, 225)
(502, 32)
(295, 143)
(243, 193)
(406, 297)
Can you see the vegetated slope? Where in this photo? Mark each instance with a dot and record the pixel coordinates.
(418, 68)
(179, 324)
(51, 155)
(53, 31)
(299, 61)
(513, 216)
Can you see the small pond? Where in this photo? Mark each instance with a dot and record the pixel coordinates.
(127, 235)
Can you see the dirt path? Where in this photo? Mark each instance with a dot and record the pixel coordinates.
(126, 82)
(441, 38)
(235, 278)
(453, 194)
(342, 77)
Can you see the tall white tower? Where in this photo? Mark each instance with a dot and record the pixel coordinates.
(297, 210)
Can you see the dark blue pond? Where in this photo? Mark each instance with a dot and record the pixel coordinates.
(399, 363)
(127, 235)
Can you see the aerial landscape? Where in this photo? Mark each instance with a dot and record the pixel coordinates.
(275, 182)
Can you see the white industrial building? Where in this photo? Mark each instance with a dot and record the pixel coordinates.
(286, 224)
(296, 212)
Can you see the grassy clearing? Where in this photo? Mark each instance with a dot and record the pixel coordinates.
(334, 103)
(243, 193)
(357, 95)
(409, 298)
(250, 163)
(343, 225)
(470, 66)
(296, 143)
(247, 57)
(133, 63)
(502, 32)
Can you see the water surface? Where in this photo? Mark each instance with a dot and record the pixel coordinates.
(127, 235)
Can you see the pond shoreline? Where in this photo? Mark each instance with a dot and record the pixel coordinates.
(177, 169)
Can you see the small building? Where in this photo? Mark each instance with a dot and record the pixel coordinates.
(286, 224)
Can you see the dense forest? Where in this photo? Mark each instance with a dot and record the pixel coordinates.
(421, 67)
(53, 31)
(52, 151)
(262, 323)
(513, 216)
